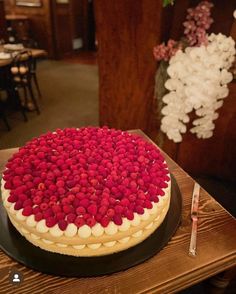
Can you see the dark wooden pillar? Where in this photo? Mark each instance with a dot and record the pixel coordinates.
(3, 26)
(127, 31)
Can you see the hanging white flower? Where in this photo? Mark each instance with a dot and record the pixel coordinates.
(198, 81)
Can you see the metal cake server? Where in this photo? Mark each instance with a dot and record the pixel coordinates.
(194, 217)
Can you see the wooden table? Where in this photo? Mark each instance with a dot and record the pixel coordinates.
(35, 53)
(168, 272)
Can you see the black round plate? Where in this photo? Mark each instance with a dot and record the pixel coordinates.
(18, 248)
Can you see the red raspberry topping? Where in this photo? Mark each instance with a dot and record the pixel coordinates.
(62, 224)
(50, 222)
(86, 175)
(27, 211)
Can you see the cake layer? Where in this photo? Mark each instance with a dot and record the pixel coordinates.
(95, 249)
(142, 225)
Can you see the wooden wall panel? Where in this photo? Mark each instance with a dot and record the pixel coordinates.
(41, 25)
(2, 21)
(62, 28)
(126, 33)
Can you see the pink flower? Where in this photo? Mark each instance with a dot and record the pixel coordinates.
(165, 52)
(198, 20)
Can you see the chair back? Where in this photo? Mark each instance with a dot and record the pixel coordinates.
(22, 66)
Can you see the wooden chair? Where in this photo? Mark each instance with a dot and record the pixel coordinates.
(9, 98)
(22, 75)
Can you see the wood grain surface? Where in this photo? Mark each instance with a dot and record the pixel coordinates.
(168, 272)
(126, 32)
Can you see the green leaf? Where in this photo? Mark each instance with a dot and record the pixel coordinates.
(167, 2)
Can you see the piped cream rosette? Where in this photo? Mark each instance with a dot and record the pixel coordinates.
(86, 241)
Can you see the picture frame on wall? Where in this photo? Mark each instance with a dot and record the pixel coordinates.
(29, 3)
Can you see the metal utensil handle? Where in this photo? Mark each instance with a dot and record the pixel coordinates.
(193, 240)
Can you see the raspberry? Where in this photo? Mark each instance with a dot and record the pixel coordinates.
(67, 209)
(124, 202)
(65, 201)
(80, 210)
(12, 198)
(86, 216)
(47, 213)
(38, 216)
(52, 188)
(139, 209)
(8, 185)
(118, 209)
(43, 206)
(16, 182)
(19, 170)
(71, 197)
(105, 201)
(60, 215)
(79, 222)
(37, 200)
(41, 155)
(29, 185)
(154, 199)
(53, 198)
(70, 184)
(56, 208)
(41, 186)
(110, 213)
(129, 214)
(133, 184)
(94, 182)
(62, 224)
(84, 202)
(18, 205)
(50, 222)
(36, 209)
(27, 202)
(98, 217)
(105, 221)
(61, 191)
(90, 222)
(117, 219)
(132, 197)
(92, 209)
(27, 211)
(71, 217)
(76, 203)
(140, 182)
(148, 204)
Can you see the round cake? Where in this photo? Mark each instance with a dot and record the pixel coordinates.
(86, 192)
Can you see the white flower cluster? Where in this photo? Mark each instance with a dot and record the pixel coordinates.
(198, 81)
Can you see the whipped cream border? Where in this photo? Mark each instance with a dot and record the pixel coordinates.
(84, 231)
(97, 248)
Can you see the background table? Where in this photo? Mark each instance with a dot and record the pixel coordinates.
(35, 53)
(167, 272)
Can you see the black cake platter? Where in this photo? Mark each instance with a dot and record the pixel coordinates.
(22, 251)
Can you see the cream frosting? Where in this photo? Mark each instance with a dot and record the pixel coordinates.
(111, 229)
(41, 226)
(95, 246)
(71, 230)
(97, 230)
(85, 231)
